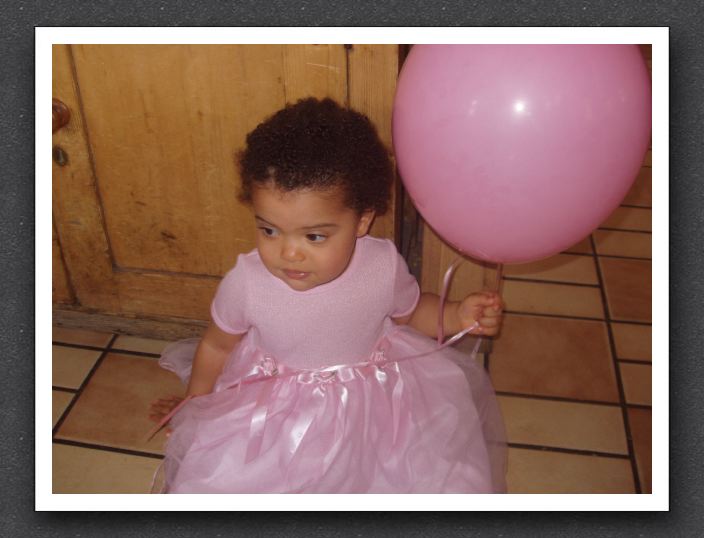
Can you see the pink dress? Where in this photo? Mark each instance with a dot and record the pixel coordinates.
(313, 401)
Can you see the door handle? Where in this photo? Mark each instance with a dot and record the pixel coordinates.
(60, 115)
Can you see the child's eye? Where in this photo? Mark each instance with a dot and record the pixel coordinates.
(268, 232)
(316, 238)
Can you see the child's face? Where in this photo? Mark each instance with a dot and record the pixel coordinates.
(306, 238)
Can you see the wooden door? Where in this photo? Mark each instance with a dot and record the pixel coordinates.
(146, 219)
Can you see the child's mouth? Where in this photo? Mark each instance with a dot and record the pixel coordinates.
(295, 275)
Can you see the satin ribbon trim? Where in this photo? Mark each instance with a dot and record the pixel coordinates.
(266, 369)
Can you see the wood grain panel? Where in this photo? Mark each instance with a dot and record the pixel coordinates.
(372, 84)
(471, 275)
(315, 71)
(146, 209)
(159, 294)
(76, 207)
(164, 151)
(61, 291)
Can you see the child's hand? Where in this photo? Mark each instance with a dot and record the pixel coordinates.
(162, 407)
(484, 307)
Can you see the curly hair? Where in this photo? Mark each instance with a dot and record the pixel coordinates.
(317, 144)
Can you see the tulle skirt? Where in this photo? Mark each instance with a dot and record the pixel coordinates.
(423, 425)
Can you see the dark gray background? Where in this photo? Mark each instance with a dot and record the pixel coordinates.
(18, 20)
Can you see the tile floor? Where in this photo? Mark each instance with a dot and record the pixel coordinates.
(572, 369)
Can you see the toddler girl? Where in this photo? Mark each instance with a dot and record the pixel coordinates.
(308, 379)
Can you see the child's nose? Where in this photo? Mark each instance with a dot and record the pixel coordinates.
(291, 252)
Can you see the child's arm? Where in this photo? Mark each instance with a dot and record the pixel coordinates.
(211, 354)
(483, 307)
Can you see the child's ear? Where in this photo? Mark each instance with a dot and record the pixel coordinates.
(365, 222)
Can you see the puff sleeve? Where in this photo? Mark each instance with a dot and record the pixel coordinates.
(406, 291)
(229, 306)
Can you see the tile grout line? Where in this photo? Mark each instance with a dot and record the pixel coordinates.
(77, 393)
(644, 362)
(617, 369)
(622, 401)
(636, 258)
(82, 386)
(554, 316)
(562, 450)
(590, 254)
(561, 399)
(79, 346)
(543, 281)
(64, 389)
(631, 322)
(112, 350)
(576, 318)
(574, 451)
(636, 206)
(145, 354)
(109, 348)
(645, 407)
(629, 230)
(107, 448)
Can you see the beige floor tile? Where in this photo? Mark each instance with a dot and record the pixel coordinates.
(80, 336)
(641, 191)
(583, 247)
(145, 345)
(113, 408)
(632, 341)
(85, 470)
(637, 382)
(564, 424)
(70, 366)
(536, 471)
(629, 218)
(628, 244)
(553, 299)
(559, 268)
(628, 287)
(554, 357)
(640, 421)
(59, 403)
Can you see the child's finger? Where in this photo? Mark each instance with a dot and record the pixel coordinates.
(166, 402)
(488, 330)
(496, 302)
(489, 322)
(489, 298)
(154, 412)
(157, 403)
(161, 409)
(165, 410)
(492, 312)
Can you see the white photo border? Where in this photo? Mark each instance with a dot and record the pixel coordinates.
(658, 37)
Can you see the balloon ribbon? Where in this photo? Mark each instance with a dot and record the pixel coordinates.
(265, 371)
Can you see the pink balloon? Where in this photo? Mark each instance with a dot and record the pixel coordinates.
(513, 153)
